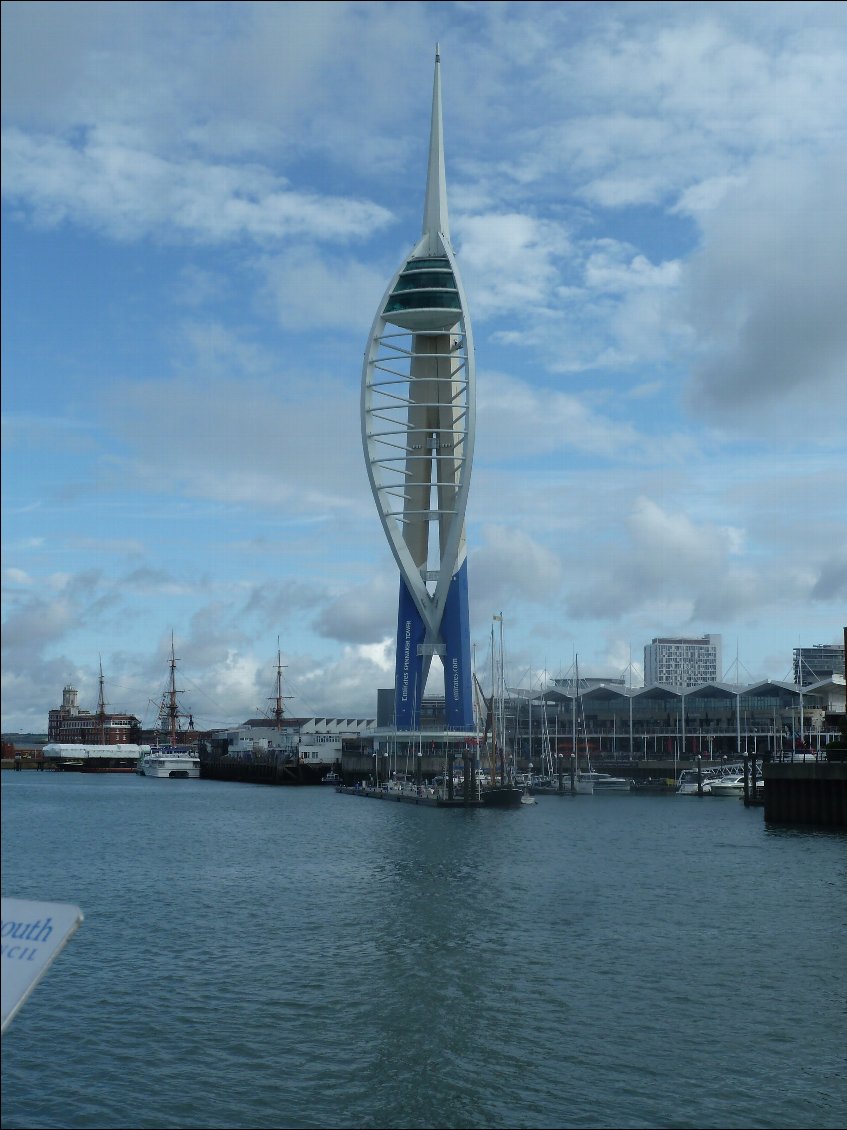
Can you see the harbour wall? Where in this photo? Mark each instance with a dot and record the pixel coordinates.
(811, 792)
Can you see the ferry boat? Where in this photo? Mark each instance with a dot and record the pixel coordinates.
(164, 761)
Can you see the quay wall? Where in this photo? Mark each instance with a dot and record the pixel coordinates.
(813, 793)
(261, 771)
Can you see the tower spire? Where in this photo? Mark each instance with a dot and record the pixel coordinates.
(435, 217)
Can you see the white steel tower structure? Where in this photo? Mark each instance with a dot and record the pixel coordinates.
(418, 413)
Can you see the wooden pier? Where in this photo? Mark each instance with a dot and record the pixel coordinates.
(427, 797)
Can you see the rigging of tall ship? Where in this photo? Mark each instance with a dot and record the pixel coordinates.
(172, 759)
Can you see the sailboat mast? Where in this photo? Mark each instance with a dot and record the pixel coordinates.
(737, 703)
(528, 718)
(631, 750)
(501, 706)
(573, 713)
(101, 708)
(173, 708)
(493, 711)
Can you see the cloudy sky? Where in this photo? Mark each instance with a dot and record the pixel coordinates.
(202, 204)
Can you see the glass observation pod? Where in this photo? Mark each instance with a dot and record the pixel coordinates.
(425, 297)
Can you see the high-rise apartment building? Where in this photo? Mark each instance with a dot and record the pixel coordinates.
(818, 662)
(681, 661)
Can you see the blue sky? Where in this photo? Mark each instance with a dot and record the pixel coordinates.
(202, 204)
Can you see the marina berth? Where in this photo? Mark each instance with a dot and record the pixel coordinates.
(699, 782)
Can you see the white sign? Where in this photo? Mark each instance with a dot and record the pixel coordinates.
(32, 935)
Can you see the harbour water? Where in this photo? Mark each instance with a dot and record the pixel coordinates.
(282, 957)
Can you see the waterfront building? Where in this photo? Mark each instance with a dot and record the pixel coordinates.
(417, 421)
(818, 662)
(678, 661)
(70, 725)
(312, 741)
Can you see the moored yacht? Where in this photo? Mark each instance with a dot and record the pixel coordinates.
(689, 785)
(733, 785)
(605, 782)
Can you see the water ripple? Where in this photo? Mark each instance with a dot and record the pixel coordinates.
(259, 957)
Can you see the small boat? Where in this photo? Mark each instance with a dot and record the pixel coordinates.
(502, 796)
(496, 789)
(654, 785)
(528, 798)
(583, 784)
(588, 781)
(332, 778)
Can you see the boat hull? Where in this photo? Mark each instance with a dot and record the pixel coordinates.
(502, 796)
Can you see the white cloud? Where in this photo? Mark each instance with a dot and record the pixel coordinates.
(508, 261)
(667, 558)
(308, 290)
(17, 576)
(516, 419)
(114, 187)
(363, 615)
(511, 567)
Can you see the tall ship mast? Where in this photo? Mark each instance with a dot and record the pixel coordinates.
(101, 708)
(278, 709)
(169, 711)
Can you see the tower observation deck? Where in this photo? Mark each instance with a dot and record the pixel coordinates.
(418, 419)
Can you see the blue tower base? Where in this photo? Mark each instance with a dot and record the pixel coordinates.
(408, 670)
(410, 667)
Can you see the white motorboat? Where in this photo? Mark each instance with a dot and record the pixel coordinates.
(732, 785)
(604, 782)
(163, 761)
(688, 783)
